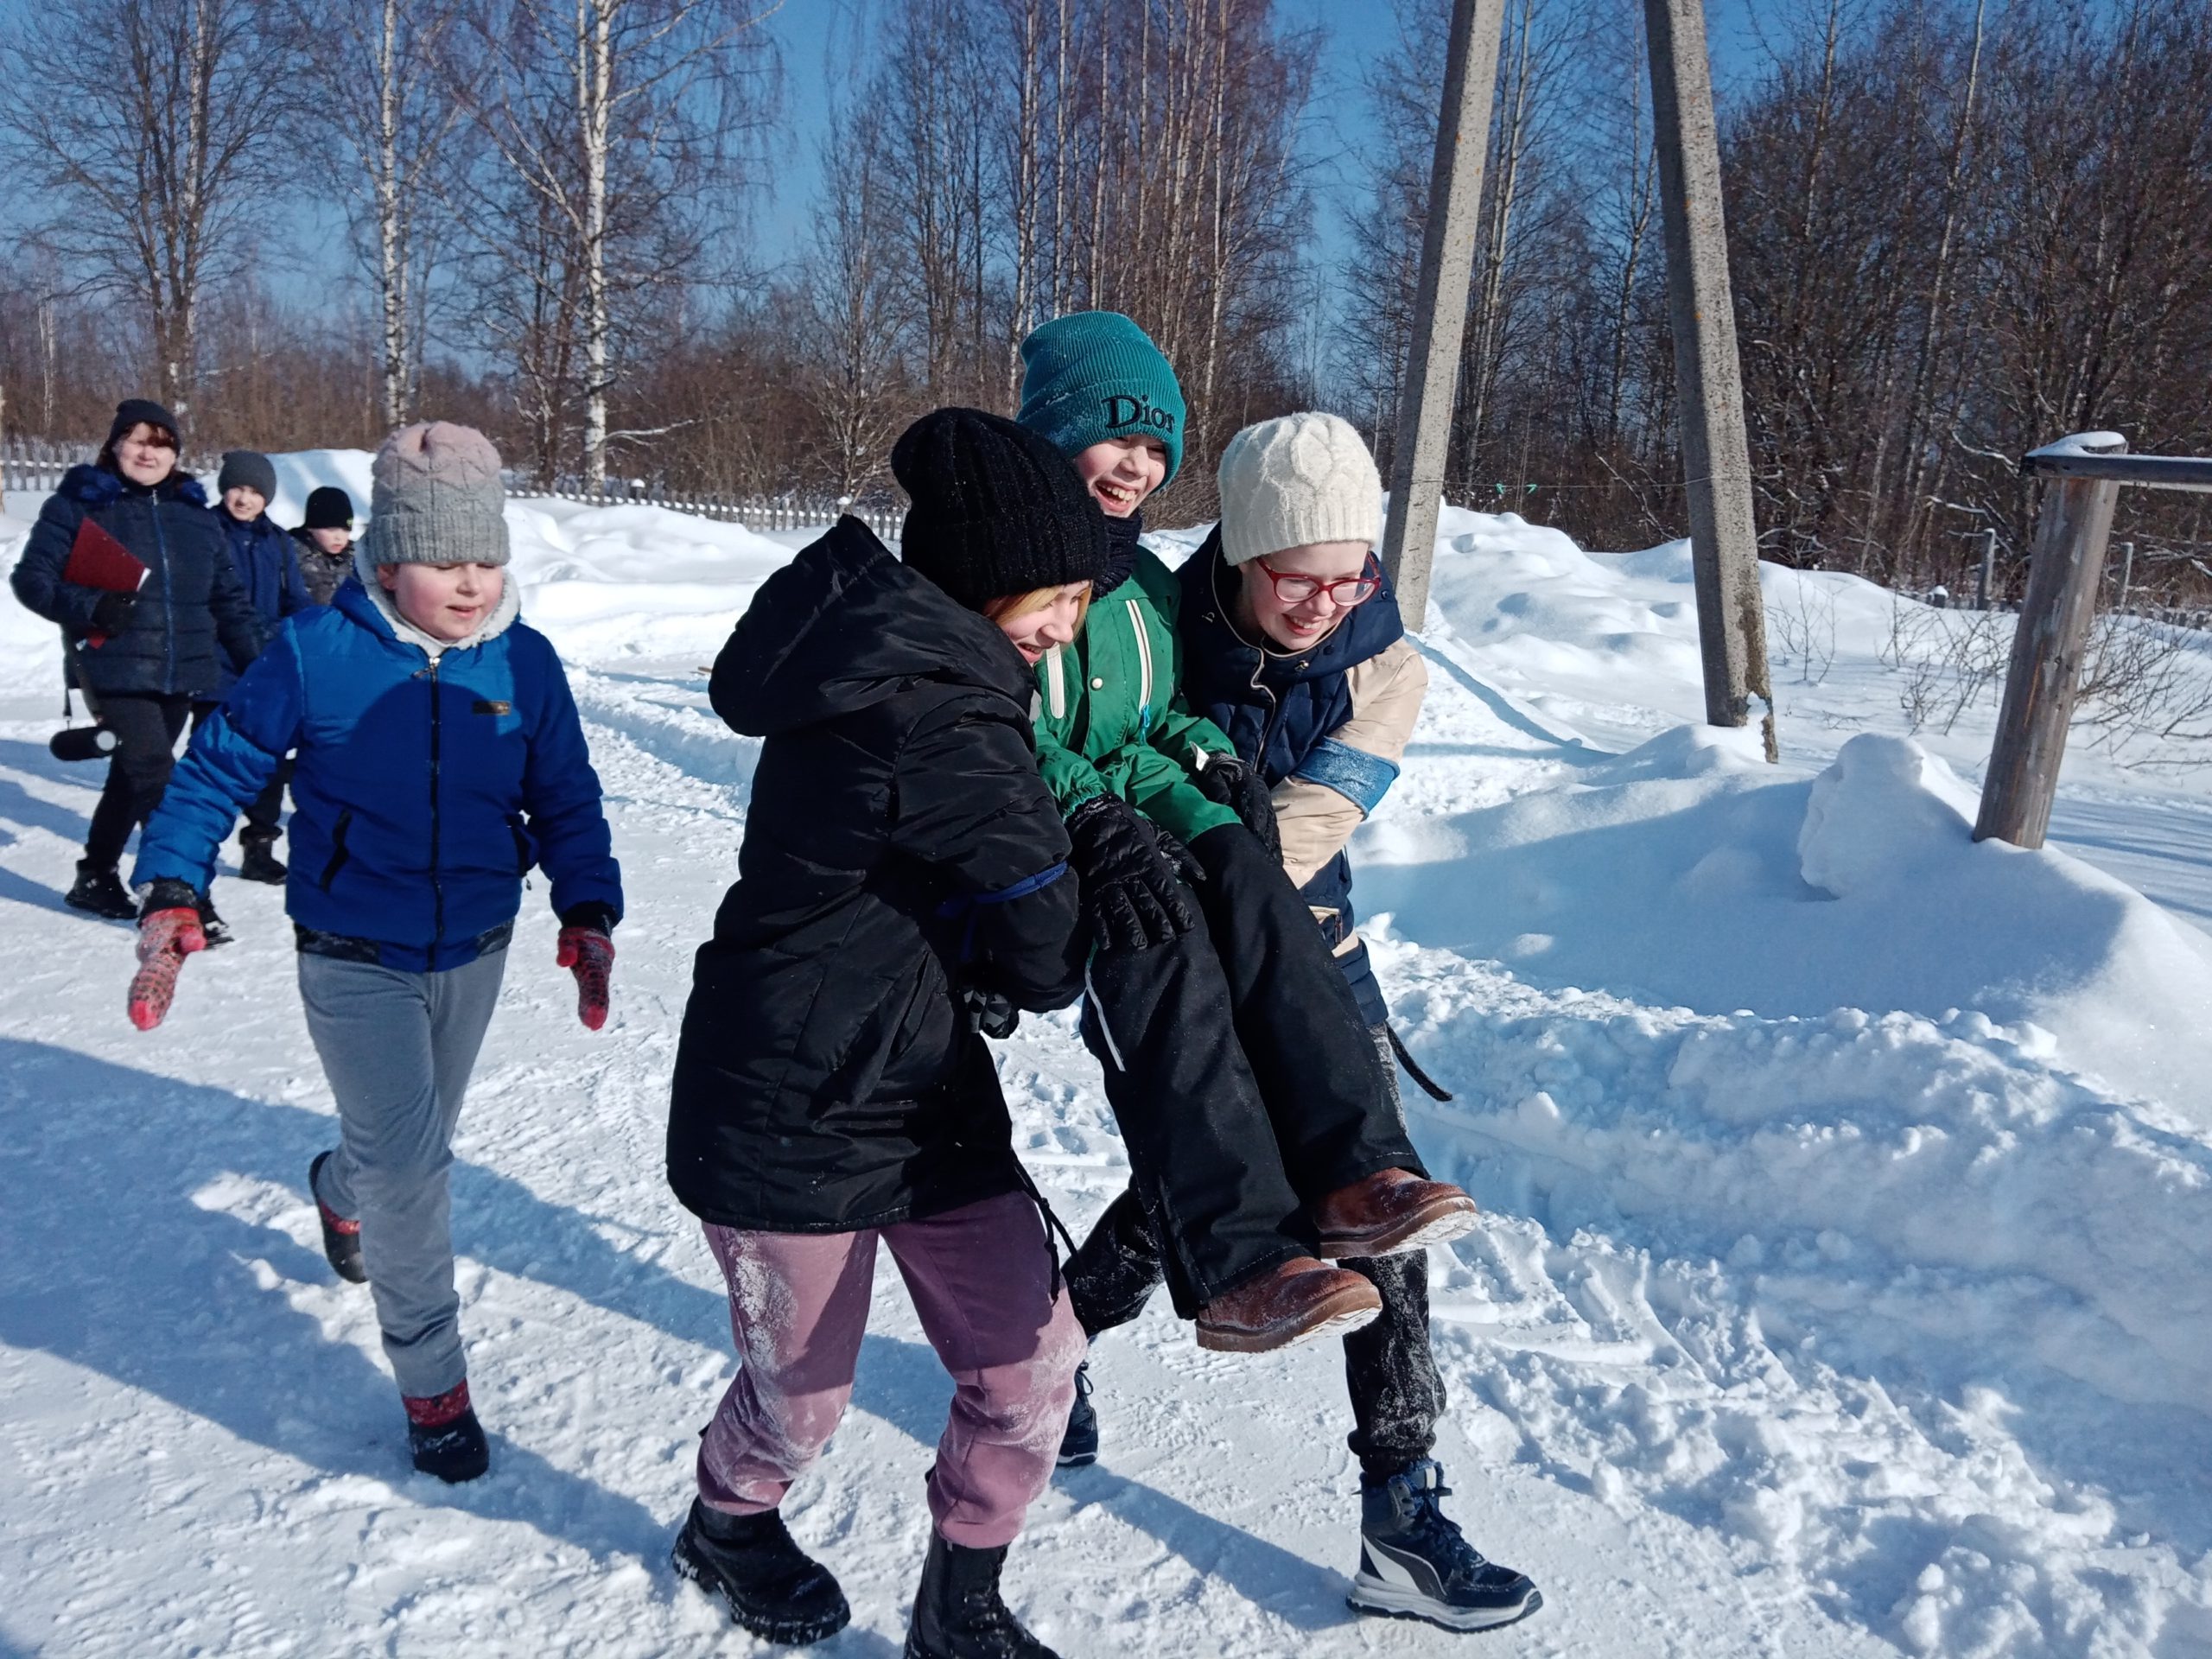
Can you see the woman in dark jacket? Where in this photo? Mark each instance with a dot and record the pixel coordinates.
(147, 654)
(903, 866)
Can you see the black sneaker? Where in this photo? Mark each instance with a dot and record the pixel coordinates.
(453, 1448)
(216, 930)
(101, 892)
(257, 863)
(1079, 1445)
(342, 1239)
(958, 1611)
(1414, 1564)
(772, 1587)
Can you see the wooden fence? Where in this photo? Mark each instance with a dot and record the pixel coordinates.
(31, 468)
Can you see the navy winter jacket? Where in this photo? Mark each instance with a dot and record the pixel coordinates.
(193, 613)
(1325, 729)
(423, 791)
(263, 556)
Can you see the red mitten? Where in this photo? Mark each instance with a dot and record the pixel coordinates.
(589, 954)
(166, 937)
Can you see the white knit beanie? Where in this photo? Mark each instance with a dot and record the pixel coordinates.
(1295, 480)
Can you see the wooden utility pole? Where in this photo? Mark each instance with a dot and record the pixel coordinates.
(1708, 375)
(2072, 528)
(1447, 255)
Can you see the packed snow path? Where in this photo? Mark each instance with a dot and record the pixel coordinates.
(1797, 1327)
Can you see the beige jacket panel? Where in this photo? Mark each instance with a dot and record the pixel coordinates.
(1386, 696)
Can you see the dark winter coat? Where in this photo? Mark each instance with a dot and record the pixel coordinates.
(1327, 727)
(193, 617)
(898, 844)
(424, 792)
(321, 573)
(263, 556)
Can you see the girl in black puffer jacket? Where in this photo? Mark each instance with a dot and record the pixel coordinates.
(145, 655)
(903, 867)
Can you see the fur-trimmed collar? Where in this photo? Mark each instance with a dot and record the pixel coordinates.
(95, 487)
(502, 614)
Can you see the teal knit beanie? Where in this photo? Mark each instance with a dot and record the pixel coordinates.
(1095, 376)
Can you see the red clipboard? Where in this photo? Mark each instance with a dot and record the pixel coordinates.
(98, 560)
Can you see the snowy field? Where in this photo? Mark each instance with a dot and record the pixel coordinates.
(1845, 1287)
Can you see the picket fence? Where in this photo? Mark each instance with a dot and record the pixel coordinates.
(31, 468)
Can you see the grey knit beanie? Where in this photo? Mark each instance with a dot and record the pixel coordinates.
(1295, 480)
(248, 469)
(437, 498)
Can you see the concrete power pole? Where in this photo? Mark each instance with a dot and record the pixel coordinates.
(1447, 257)
(1708, 375)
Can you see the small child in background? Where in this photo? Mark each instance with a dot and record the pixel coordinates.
(263, 556)
(326, 541)
(404, 898)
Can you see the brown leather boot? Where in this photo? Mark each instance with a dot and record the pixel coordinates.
(1389, 1212)
(1302, 1298)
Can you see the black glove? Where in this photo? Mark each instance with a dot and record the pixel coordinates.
(111, 612)
(988, 1011)
(1232, 784)
(1129, 890)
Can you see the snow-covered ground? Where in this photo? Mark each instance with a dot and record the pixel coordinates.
(1844, 1291)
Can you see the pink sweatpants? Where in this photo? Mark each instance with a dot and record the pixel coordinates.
(981, 1280)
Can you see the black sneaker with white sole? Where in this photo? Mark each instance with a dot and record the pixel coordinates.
(1414, 1564)
(1079, 1445)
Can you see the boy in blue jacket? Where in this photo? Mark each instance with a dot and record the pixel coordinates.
(270, 572)
(439, 757)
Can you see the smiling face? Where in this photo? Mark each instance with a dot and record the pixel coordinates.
(1036, 623)
(1121, 471)
(145, 454)
(447, 601)
(244, 502)
(1306, 622)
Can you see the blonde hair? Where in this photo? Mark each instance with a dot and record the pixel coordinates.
(1012, 606)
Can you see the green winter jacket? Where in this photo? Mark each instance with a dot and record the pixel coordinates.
(1110, 719)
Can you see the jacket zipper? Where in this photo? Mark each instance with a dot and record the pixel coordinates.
(169, 598)
(437, 889)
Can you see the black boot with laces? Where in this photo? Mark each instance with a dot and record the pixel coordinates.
(958, 1612)
(772, 1587)
(1414, 1564)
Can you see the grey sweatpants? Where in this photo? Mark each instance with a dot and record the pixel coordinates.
(397, 1048)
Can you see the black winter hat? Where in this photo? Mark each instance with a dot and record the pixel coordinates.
(249, 468)
(328, 508)
(997, 509)
(131, 410)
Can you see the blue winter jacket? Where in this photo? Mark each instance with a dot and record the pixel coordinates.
(193, 613)
(1325, 727)
(263, 556)
(423, 791)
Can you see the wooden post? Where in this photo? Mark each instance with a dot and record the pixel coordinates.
(1447, 263)
(1708, 374)
(1988, 567)
(2072, 527)
(2127, 573)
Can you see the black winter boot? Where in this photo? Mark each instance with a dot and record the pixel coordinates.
(958, 1612)
(1414, 1564)
(342, 1239)
(102, 892)
(258, 861)
(445, 1437)
(214, 927)
(770, 1585)
(1079, 1445)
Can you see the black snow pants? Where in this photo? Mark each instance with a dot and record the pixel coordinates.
(1390, 1369)
(1244, 1080)
(146, 727)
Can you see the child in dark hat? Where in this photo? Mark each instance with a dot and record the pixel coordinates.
(326, 541)
(266, 564)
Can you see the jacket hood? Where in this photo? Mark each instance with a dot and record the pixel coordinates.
(1209, 584)
(95, 487)
(844, 625)
(378, 611)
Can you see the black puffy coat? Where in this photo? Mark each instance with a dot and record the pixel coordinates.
(898, 844)
(193, 613)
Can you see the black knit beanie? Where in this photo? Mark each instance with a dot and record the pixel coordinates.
(997, 509)
(131, 410)
(328, 508)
